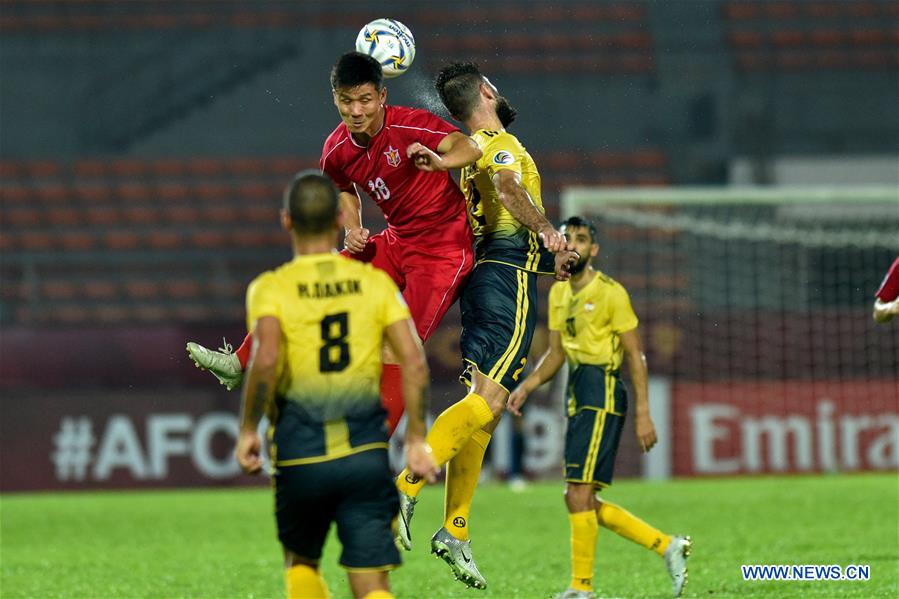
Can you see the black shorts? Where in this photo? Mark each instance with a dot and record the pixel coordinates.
(499, 315)
(597, 405)
(357, 492)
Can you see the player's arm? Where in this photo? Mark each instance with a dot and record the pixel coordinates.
(885, 311)
(356, 236)
(454, 151)
(636, 365)
(518, 202)
(550, 363)
(258, 391)
(403, 341)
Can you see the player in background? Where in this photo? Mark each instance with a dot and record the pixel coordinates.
(318, 325)
(400, 157)
(514, 243)
(886, 300)
(592, 324)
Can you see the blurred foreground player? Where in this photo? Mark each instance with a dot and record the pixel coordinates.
(400, 157)
(318, 324)
(592, 324)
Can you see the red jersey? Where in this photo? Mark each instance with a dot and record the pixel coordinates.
(414, 202)
(889, 289)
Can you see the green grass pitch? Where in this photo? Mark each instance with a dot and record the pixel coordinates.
(221, 543)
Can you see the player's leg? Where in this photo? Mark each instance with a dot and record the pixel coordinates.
(365, 514)
(497, 321)
(582, 436)
(227, 366)
(303, 512)
(303, 578)
(383, 251)
(432, 280)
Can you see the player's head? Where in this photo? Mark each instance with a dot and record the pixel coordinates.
(462, 88)
(581, 236)
(359, 92)
(310, 204)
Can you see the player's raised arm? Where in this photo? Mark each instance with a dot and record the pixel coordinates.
(454, 151)
(636, 364)
(356, 236)
(550, 363)
(258, 391)
(416, 385)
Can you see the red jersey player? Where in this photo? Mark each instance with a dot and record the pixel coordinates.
(886, 302)
(400, 157)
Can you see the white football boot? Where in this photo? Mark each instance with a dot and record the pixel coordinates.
(458, 555)
(676, 561)
(222, 363)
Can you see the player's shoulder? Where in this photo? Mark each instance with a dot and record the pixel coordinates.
(367, 272)
(499, 147)
(609, 284)
(263, 280)
(416, 117)
(337, 137)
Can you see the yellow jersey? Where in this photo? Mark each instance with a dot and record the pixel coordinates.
(499, 237)
(591, 321)
(333, 311)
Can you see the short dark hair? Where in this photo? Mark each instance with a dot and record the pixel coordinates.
(459, 86)
(354, 69)
(578, 221)
(311, 201)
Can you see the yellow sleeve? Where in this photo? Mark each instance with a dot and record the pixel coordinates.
(262, 299)
(556, 308)
(502, 151)
(622, 315)
(394, 306)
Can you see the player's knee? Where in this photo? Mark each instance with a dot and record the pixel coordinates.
(579, 497)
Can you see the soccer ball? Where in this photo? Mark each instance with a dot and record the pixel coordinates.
(390, 43)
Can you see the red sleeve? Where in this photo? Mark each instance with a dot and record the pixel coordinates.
(889, 289)
(428, 129)
(329, 166)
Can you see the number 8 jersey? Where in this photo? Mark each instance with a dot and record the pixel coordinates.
(333, 312)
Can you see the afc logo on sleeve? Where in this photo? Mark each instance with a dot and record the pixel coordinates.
(503, 158)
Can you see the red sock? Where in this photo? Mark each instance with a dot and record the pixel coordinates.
(243, 352)
(392, 395)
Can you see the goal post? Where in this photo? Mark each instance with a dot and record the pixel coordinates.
(755, 306)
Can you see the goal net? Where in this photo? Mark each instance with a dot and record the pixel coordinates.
(755, 308)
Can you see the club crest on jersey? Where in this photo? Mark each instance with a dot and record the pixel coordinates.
(393, 156)
(503, 157)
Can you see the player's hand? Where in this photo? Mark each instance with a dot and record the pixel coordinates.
(355, 239)
(553, 240)
(420, 460)
(516, 399)
(249, 452)
(564, 261)
(424, 158)
(646, 432)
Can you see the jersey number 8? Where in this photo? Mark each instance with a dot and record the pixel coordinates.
(334, 355)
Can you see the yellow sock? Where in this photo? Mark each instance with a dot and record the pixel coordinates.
(303, 582)
(379, 595)
(584, 530)
(462, 475)
(623, 523)
(449, 434)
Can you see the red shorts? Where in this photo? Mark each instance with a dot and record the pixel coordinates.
(430, 276)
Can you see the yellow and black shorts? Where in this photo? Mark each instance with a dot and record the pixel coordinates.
(597, 404)
(499, 315)
(356, 492)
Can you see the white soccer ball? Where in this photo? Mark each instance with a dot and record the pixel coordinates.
(389, 42)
